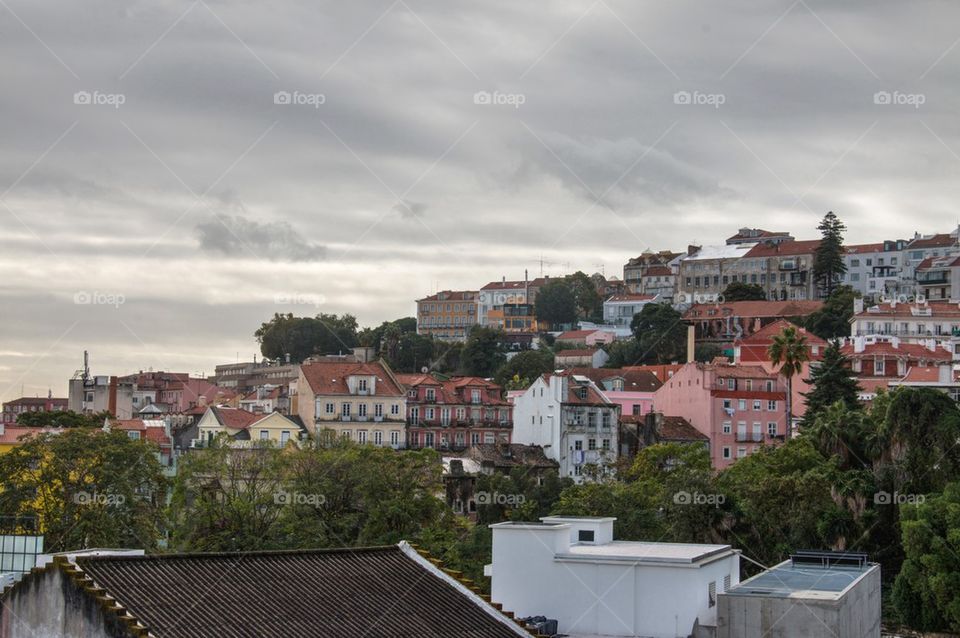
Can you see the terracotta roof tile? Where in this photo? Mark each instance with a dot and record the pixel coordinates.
(330, 377)
(752, 309)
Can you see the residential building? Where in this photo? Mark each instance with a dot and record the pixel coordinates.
(569, 416)
(813, 594)
(570, 569)
(756, 235)
(784, 270)
(923, 247)
(95, 394)
(619, 310)
(267, 399)
(448, 315)
(172, 392)
(662, 371)
(355, 591)
(243, 427)
(706, 271)
(581, 357)
(876, 270)
(938, 278)
(155, 431)
(940, 377)
(738, 407)
(361, 402)
(729, 322)
(890, 358)
(921, 322)
(587, 338)
(508, 305)
(453, 414)
(653, 428)
(244, 377)
(13, 409)
(630, 388)
(653, 274)
(13, 435)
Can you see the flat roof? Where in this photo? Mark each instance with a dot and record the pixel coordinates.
(633, 551)
(789, 580)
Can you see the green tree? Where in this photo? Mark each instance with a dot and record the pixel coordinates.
(86, 488)
(739, 291)
(623, 352)
(526, 366)
(483, 353)
(832, 321)
(589, 303)
(556, 304)
(828, 264)
(63, 419)
(789, 351)
(660, 333)
(926, 593)
(301, 337)
(832, 380)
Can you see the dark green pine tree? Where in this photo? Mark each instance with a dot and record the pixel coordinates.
(828, 264)
(832, 381)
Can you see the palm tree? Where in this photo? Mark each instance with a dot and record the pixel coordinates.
(789, 351)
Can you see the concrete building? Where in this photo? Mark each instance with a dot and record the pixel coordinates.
(245, 376)
(813, 594)
(922, 322)
(653, 274)
(569, 416)
(619, 310)
(724, 324)
(784, 270)
(876, 270)
(13, 409)
(630, 388)
(93, 394)
(923, 247)
(508, 305)
(707, 271)
(938, 278)
(587, 338)
(448, 315)
(585, 357)
(570, 569)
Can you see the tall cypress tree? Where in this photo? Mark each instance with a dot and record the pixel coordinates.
(832, 381)
(828, 264)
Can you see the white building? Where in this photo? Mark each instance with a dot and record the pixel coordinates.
(570, 569)
(574, 422)
(619, 310)
(876, 270)
(934, 324)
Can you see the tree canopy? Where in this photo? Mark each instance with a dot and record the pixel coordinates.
(556, 304)
(483, 352)
(832, 321)
(524, 368)
(660, 333)
(739, 291)
(301, 337)
(828, 264)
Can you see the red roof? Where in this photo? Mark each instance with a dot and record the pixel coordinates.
(582, 352)
(657, 271)
(12, 433)
(784, 249)
(921, 375)
(575, 334)
(857, 249)
(941, 240)
(938, 309)
(631, 297)
(947, 261)
(752, 309)
(662, 371)
(330, 377)
(634, 380)
(769, 331)
(887, 349)
(235, 418)
(452, 295)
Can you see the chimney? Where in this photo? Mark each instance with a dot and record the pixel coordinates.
(112, 400)
(652, 421)
(691, 343)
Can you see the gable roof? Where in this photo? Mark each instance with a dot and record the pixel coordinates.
(511, 455)
(752, 309)
(581, 352)
(766, 334)
(575, 334)
(634, 380)
(940, 240)
(330, 377)
(339, 593)
(784, 249)
(234, 418)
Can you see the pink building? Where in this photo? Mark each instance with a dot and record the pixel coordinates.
(629, 388)
(739, 408)
(13, 409)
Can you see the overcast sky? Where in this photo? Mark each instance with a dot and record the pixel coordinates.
(172, 172)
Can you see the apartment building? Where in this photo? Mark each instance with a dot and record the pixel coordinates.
(707, 271)
(13, 409)
(875, 270)
(508, 305)
(619, 310)
(569, 416)
(732, 321)
(448, 315)
(756, 235)
(739, 408)
(938, 278)
(923, 247)
(783, 269)
(653, 274)
(358, 401)
(453, 414)
(923, 322)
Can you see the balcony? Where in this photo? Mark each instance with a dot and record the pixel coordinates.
(749, 437)
(932, 279)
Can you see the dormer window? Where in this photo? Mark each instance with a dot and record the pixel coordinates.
(362, 385)
(582, 392)
(431, 394)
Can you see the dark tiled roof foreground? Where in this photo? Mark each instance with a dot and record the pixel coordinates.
(341, 593)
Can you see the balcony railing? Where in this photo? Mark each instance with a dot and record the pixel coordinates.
(745, 437)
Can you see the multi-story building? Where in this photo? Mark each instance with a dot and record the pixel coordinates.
(784, 270)
(938, 278)
(91, 394)
(358, 401)
(727, 323)
(923, 322)
(455, 413)
(875, 270)
(923, 247)
(631, 388)
(508, 305)
(267, 399)
(619, 310)
(448, 315)
(738, 407)
(889, 358)
(244, 427)
(569, 416)
(707, 271)
(755, 235)
(245, 376)
(653, 274)
(172, 392)
(13, 409)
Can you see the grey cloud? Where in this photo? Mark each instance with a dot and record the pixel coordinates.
(244, 238)
(408, 209)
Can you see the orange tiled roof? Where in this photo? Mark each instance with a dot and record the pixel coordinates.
(330, 377)
(784, 249)
(752, 309)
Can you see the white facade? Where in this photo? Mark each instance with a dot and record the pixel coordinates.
(570, 569)
(619, 310)
(580, 436)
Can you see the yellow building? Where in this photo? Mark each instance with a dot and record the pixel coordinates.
(243, 426)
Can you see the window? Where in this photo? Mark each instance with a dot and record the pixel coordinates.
(330, 408)
(474, 438)
(731, 384)
(430, 413)
(428, 439)
(772, 428)
(605, 445)
(854, 263)
(488, 437)
(362, 385)
(577, 470)
(378, 410)
(727, 427)
(726, 452)
(431, 394)
(133, 434)
(395, 438)
(345, 409)
(591, 444)
(284, 437)
(712, 592)
(461, 414)
(415, 415)
(757, 405)
(741, 452)
(606, 419)
(769, 386)
(741, 404)
(772, 406)
(726, 583)
(378, 437)
(361, 436)
(395, 409)
(362, 409)
(578, 445)
(474, 396)
(727, 404)
(264, 435)
(585, 536)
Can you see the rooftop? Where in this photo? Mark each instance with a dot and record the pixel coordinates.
(722, 251)
(785, 249)
(792, 579)
(688, 553)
